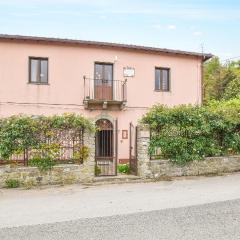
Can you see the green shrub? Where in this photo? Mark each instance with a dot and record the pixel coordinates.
(186, 133)
(12, 183)
(97, 170)
(81, 155)
(44, 164)
(44, 156)
(123, 168)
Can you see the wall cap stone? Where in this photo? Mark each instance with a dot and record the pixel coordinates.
(196, 161)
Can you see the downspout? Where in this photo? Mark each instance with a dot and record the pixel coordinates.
(202, 79)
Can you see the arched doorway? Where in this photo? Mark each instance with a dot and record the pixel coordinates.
(104, 144)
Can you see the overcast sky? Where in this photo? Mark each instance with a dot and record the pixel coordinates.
(179, 24)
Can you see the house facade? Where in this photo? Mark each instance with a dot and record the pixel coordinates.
(113, 84)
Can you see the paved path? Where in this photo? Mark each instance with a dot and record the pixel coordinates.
(215, 221)
(147, 200)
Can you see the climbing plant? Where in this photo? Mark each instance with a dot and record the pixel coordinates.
(20, 133)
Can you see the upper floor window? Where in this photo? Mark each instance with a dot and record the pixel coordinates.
(162, 79)
(38, 70)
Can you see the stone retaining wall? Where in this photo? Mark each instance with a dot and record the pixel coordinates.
(164, 168)
(211, 165)
(30, 176)
(60, 174)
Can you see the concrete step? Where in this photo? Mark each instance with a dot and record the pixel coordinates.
(116, 179)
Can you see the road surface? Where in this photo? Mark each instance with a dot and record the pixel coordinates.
(215, 221)
(201, 208)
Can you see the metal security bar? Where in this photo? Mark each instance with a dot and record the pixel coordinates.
(70, 142)
(156, 154)
(105, 150)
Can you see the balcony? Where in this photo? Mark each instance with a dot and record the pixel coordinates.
(104, 94)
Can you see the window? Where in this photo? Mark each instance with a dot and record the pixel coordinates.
(38, 70)
(162, 76)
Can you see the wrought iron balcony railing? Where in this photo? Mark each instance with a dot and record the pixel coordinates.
(105, 90)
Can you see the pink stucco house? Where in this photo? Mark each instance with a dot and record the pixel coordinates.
(114, 84)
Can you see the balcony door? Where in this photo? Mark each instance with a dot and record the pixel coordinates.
(103, 84)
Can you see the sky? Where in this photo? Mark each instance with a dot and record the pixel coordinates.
(190, 25)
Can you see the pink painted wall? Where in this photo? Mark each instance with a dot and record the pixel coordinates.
(68, 65)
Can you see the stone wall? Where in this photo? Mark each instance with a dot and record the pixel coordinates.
(164, 168)
(60, 174)
(143, 140)
(208, 166)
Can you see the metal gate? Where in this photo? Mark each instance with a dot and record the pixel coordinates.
(133, 149)
(106, 148)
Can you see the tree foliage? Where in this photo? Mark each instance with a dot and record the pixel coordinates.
(221, 81)
(233, 89)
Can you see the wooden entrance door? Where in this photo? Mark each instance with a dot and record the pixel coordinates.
(103, 84)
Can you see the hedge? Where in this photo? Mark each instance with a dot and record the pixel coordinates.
(186, 133)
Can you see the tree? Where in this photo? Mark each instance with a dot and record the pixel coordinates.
(233, 89)
(212, 73)
(219, 78)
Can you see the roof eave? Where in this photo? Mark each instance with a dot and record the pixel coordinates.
(204, 56)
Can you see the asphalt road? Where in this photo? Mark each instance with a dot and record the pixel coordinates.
(215, 221)
(20, 207)
(192, 209)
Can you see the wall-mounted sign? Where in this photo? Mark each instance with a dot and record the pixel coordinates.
(124, 134)
(128, 72)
